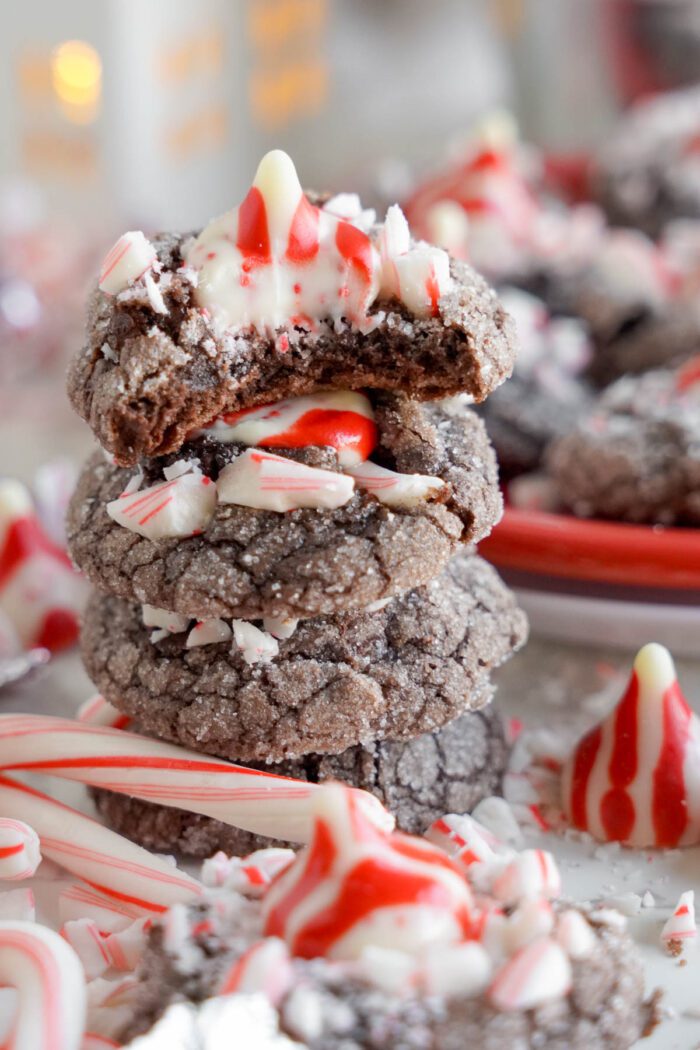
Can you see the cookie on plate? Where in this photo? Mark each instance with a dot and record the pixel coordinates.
(636, 456)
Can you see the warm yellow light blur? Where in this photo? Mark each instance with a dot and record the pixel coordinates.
(76, 75)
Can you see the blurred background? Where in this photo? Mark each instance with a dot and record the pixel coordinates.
(153, 113)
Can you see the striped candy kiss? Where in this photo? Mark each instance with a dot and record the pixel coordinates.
(635, 778)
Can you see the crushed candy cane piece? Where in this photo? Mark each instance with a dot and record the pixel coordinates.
(18, 904)
(680, 927)
(128, 260)
(178, 508)
(265, 967)
(280, 627)
(267, 482)
(575, 935)
(171, 622)
(396, 490)
(537, 974)
(531, 873)
(208, 632)
(256, 646)
(20, 850)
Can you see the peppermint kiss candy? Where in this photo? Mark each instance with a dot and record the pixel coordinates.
(396, 490)
(341, 419)
(267, 482)
(126, 261)
(177, 508)
(536, 974)
(635, 778)
(356, 886)
(681, 925)
(278, 260)
(40, 594)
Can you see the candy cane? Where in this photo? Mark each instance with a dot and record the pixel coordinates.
(255, 801)
(48, 978)
(20, 852)
(111, 864)
(99, 712)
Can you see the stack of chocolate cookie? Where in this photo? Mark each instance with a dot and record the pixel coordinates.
(280, 520)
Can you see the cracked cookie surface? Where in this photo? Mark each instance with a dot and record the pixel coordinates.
(305, 562)
(418, 780)
(338, 681)
(144, 379)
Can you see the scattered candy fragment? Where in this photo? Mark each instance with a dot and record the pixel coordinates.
(396, 490)
(20, 851)
(268, 482)
(535, 975)
(177, 508)
(635, 778)
(680, 928)
(208, 632)
(129, 259)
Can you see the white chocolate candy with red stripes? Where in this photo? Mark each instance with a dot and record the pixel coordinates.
(538, 973)
(277, 260)
(267, 482)
(20, 850)
(412, 895)
(680, 928)
(178, 508)
(340, 419)
(396, 490)
(128, 260)
(48, 978)
(41, 596)
(635, 778)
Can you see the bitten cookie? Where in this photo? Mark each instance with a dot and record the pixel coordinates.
(417, 780)
(313, 561)
(636, 457)
(277, 298)
(393, 673)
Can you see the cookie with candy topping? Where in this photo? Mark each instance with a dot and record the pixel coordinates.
(277, 298)
(365, 937)
(418, 780)
(335, 682)
(360, 534)
(648, 173)
(636, 456)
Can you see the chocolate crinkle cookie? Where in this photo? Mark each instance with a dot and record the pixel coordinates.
(146, 379)
(336, 682)
(418, 780)
(636, 457)
(305, 562)
(325, 1005)
(648, 173)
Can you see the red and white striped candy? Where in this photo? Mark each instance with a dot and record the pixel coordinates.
(20, 851)
(18, 904)
(208, 632)
(356, 886)
(48, 978)
(396, 490)
(635, 778)
(277, 260)
(267, 482)
(681, 925)
(126, 261)
(99, 951)
(463, 838)
(531, 873)
(80, 901)
(340, 419)
(538, 973)
(251, 874)
(419, 276)
(264, 968)
(96, 711)
(40, 593)
(178, 508)
(251, 799)
(108, 862)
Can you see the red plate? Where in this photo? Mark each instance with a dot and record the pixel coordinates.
(606, 552)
